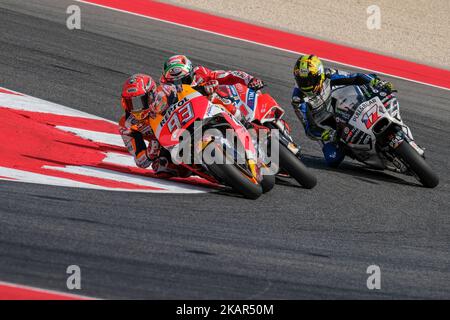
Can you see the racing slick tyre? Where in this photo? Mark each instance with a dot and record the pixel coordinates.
(295, 168)
(417, 164)
(268, 182)
(233, 177)
(231, 174)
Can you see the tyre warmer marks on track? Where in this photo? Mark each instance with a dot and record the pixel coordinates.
(46, 143)
(10, 291)
(280, 40)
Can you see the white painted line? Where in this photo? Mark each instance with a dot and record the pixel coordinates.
(31, 177)
(119, 159)
(36, 178)
(96, 136)
(256, 43)
(173, 187)
(28, 103)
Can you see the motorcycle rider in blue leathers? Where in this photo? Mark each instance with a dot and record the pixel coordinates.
(311, 100)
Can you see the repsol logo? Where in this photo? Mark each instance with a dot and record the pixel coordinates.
(169, 112)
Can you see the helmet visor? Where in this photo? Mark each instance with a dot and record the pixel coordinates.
(307, 84)
(140, 103)
(188, 78)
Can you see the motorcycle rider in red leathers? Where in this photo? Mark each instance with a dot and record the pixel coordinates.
(179, 70)
(142, 98)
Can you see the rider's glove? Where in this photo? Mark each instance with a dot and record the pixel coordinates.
(296, 101)
(256, 84)
(211, 86)
(328, 135)
(388, 86)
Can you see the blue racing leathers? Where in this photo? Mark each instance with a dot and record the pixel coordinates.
(317, 115)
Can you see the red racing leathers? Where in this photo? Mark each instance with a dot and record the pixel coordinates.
(203, 75)
(136, 131)
(210, 80)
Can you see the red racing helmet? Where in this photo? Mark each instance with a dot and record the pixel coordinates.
(139, 93)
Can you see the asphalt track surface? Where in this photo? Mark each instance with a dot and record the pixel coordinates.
(291, 243)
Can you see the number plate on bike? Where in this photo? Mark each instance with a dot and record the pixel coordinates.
(367, 114)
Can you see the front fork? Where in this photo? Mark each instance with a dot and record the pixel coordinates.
(398, 136)
(394, 139)
(286, 139)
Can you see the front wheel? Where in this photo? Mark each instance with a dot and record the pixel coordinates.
(296, 168)
(233, 177)
(417, 165)
(268, 182)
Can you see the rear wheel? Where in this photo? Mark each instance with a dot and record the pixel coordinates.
(296, 168)
(417, 164)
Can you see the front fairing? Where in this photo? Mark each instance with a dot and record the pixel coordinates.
(191, 107)
(359, 110)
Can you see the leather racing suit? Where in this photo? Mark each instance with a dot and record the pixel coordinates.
(317, 115)
(136, 131)
(207, 81)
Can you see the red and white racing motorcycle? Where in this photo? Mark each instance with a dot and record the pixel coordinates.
(197, 133)
(260, 111)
